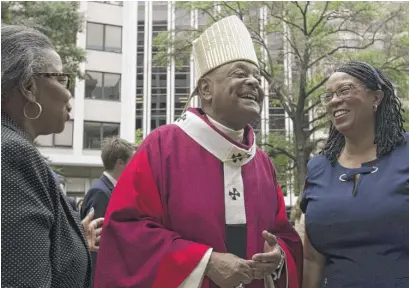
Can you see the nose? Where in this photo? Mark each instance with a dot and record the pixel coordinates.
(252, 81)
(335, 100)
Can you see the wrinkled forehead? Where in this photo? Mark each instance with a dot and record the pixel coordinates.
(338, 79)
(228, 67)
(53, 63)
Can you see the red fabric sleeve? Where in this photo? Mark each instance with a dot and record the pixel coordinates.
(136, 249)
(290, 242)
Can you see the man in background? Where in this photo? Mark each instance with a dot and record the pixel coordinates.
(115, 155)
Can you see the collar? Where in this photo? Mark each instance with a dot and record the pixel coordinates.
(233, 134)
(8, 122)
(110, 178)
(200, 129)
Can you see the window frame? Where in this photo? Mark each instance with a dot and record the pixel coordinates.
(103, 37)
(103, 86)
(53, 145)
(100, 134)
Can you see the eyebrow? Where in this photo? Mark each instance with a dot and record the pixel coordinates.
(343, 84)
(245, 67)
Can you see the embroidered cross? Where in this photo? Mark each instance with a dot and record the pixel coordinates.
(237, 157)
(234, 194)
(182, 118)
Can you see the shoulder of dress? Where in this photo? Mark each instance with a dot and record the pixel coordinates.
(317, 164)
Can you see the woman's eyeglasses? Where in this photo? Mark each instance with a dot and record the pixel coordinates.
(63, 78)
(342, 92)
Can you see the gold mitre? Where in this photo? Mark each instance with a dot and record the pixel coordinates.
(226, 41)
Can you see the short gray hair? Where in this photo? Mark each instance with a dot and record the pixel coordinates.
(22, 55)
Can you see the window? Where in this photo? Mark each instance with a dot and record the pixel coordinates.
(102, 86)
(104, 37)
(95, 132)
(63, 139)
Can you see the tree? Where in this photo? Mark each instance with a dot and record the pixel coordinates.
(298, 44)
(138, 137)
(60, 21)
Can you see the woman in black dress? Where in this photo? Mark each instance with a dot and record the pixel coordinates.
(42, 241)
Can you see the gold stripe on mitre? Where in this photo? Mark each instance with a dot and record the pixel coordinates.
(225, 41)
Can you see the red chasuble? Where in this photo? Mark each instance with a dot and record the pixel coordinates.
(190, 190)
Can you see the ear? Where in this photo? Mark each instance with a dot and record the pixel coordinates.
(204, 88)
(28, 90)
(120, 162)
(378, 97)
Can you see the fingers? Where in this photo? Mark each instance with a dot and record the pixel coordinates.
(89, 217)
(99, 222)
(261, 270)
(270, 257)
(269, 238)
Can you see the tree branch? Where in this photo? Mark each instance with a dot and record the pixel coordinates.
(315, 104)
(307, 125)
(319, 20)
(283, 19)
(278, 151)
(317, 86)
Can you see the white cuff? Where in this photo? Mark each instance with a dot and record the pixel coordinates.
(195, 279)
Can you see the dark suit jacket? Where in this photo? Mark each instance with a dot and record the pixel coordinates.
(42, 241)
(97, 197)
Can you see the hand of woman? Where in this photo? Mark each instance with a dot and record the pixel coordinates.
(93, 230)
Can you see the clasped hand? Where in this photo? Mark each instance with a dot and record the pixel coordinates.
(228, 270)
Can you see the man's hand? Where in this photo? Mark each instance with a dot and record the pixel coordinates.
(264, 264)
(92, 230)
(228, 270)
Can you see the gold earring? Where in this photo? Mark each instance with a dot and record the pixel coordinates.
(40, 110)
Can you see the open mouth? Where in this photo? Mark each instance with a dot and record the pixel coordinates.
(249, 97)
(340, 113)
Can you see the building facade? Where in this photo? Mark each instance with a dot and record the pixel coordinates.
(124, 89)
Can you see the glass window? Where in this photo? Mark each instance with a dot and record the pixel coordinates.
(104, 37)
(95, 36)
(182, 80)
(113, 38)
(95, 132)
(93, 85)
(112, 86)
(102, 86)
(65, 137)
(92, 135)
(44, 141)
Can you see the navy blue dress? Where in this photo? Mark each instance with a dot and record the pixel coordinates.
(362, 229)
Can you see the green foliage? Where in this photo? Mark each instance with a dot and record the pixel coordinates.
(60, 21)
(316, 37)
(138, 137)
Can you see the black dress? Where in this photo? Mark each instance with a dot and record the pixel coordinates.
(42, 242)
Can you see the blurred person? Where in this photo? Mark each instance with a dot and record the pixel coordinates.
(356, 197)
(43, 242)
(199, 204)
(115, 154)
(79, 204)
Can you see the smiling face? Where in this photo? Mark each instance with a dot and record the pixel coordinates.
(232, 94)
(353, 108)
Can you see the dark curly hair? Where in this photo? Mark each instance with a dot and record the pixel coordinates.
(389, 131)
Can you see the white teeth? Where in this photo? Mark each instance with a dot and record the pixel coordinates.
(340, 113)
(247, 96)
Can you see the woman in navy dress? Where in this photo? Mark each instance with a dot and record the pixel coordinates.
(356, 197)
